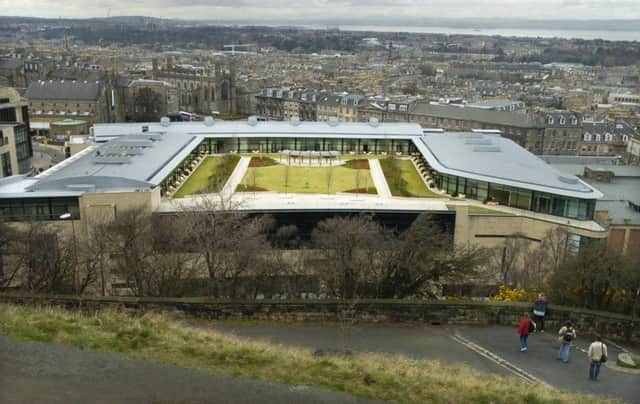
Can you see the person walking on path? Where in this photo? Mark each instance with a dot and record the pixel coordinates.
(524, 328)
(597, 356)
(539, 310)
(566, 334)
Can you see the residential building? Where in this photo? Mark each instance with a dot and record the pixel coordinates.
(633, 151)
(605, 138)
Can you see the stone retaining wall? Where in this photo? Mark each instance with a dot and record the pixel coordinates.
(430, 312)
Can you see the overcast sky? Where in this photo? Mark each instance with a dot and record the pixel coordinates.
(303, 9)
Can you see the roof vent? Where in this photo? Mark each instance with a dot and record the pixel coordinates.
(253, 120)
(209, 121)
(165, 121)
(374, 122)
(479, 142)
(571, 180)
(295, 121)
(333, 121)
(486, 149)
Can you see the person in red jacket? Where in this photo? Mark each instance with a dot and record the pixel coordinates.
(523, 329)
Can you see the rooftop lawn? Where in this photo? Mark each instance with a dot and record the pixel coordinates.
(480, 210)
(411, 184)
(308, 180)
(210, 176)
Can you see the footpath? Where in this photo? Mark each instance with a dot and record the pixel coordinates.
(379, 180)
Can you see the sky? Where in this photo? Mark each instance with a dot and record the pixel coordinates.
(300, 10)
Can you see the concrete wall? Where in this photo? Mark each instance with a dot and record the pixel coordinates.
(488, 230)
(430, 312)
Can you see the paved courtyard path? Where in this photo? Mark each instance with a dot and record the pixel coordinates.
(236, 177)
(379, 180)
(35, 372)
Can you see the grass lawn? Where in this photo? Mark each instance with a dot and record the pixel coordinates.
(411, 184)
(372, 376)
(309, 180)
(479, 210)
(200, 181)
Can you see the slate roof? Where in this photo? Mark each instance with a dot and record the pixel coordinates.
(516, 119)
(63, 90)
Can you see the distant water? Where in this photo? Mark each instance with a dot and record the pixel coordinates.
(530, 33)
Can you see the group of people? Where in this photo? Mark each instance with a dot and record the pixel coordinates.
(597, 353)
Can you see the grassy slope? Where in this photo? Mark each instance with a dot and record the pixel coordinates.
(198, 182)
(382, 377)
(310, 180)
(414, 184)
(479, 210)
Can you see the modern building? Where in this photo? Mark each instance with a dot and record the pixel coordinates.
(619, 209)
(138, 165)
(15, 143)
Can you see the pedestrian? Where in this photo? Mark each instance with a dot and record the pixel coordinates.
(597, 356)
(566, 334)
(539, 311)
(524, 328)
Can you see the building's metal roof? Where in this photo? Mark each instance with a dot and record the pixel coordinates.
(141, 155)
(130, 163)
(498, 160)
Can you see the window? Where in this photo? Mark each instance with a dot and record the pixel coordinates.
(598, 137)
(587, 137)
(608, 137)
(550, 120)
(574, 120)
(562, 120)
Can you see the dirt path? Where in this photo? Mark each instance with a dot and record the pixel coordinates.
(32, 372)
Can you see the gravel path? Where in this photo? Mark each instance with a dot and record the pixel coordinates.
(33, 372)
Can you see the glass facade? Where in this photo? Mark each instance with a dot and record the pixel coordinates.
(26, 209)
(572, 208)
(341, 145)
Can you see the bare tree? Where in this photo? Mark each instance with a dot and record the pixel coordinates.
(130, 238)
(8, 267)
(345, 246)
(329, 178)
(45, 259)
(228, 242)
(419, 259)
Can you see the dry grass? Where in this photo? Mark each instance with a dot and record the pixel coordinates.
(384, 377)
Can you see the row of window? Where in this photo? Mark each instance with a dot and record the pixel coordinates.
(38, 208)
(608, 137)
(273, 145)
(562, 120)
(581, 209)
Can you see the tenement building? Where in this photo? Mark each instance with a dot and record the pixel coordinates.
(142, 165)
(54, 100)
